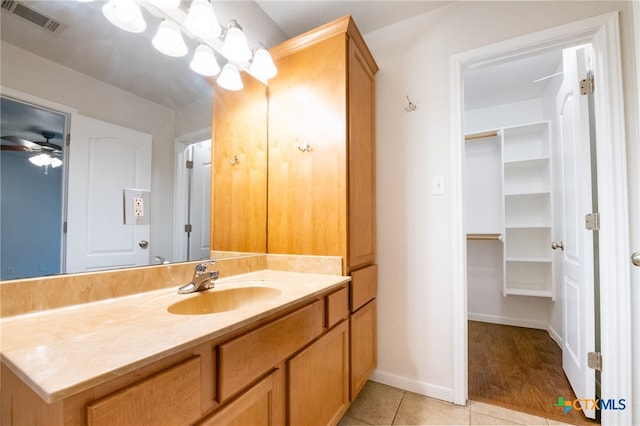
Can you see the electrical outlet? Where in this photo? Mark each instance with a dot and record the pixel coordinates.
(138, 206)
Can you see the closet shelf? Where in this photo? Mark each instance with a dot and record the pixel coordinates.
(527, 194)
(527, 292)
(481, 135)
(485, 237)
(526, 161)
(528, 259)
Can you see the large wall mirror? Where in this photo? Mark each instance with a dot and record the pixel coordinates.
(73, 57)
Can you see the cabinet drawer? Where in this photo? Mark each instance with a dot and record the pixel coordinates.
(337, 307)
(246, 358)
(364, 286)
(167, 398)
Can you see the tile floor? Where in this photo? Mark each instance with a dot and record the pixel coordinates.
(383, 405)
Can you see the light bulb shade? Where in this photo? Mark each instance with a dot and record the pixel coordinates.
(262, 65)
(169, 41)
(165, 4)
(229, 78)
(204, 61)
(235, 47)
(202, 21)
(41, 160)
(125, 14)
(56, 162)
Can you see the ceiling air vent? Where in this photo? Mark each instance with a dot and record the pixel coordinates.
(29, 13)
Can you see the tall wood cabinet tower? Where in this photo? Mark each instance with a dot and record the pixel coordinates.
(321, 168)
(294, 168)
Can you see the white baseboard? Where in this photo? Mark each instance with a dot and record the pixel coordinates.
(517, 322)
(554, 335)
(404, 383)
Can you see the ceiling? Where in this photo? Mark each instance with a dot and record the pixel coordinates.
(88, 43)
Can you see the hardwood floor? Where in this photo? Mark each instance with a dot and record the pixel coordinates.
(519, 368)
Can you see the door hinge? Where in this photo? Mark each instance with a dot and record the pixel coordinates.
(68, 139)
(187, 228)
(592, 221)
(594, 360)
(189, 164)
(64, 227)
(587, 85)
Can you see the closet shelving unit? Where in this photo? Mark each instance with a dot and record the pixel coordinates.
(522, 210)
(526, 177)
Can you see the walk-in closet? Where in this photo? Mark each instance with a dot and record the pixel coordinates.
(514, 217)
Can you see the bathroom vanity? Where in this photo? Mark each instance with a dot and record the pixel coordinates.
(266, 347)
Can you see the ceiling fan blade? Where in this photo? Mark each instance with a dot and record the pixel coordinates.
(50, 146)
(14, 148)
(32, 146)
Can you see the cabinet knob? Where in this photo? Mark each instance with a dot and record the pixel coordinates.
(559, 245)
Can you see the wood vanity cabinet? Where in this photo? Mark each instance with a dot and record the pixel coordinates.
(291, 368)
(321, 164)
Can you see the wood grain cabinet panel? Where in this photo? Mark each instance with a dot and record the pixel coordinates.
(364, 286)
(363, 346)
(244, 359)
(170, 397)
(337, 307)
(319, 380)
(261, 405)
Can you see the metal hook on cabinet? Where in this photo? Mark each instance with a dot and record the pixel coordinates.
(235, 160)
(306, 147)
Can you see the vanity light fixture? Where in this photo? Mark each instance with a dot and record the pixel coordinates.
(235, 47)
(168, 40)
(262, 64)
(204, 61)
(200, 24)
(125, 14)
(229, 78)
(201, 20)
(165, 4)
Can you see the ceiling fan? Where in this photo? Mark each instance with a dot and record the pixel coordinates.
(47, 151)
(19, 144)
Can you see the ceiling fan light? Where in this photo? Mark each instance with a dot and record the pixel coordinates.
(165, 4)
(168, 40)
(41, 160)
(202, 21)
(229, 78)
(262, 65)
(235, 47)
(56, 162)
(125, 14)
(204, 61)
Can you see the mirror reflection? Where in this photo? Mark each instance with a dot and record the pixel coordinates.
(74, 64)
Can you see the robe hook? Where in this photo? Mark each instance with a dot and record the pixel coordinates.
(411, 106)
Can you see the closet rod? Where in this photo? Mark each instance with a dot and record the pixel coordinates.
(482, 135)
(488, 237)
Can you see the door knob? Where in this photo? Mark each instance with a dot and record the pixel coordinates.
(635, 258)
(144, 244)
(559, 245)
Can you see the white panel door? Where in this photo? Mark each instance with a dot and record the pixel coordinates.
(578, 255)
(200, 202)
(103, 160)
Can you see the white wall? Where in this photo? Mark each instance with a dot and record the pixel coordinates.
(37, 76)
(415, 348)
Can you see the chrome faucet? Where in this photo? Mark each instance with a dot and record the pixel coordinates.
(202, 279)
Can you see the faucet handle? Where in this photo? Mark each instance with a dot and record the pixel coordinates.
(201, 268)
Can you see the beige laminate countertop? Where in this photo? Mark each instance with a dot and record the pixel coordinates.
(64, 351)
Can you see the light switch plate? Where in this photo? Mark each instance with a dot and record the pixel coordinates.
(437, 185)
(136, 206)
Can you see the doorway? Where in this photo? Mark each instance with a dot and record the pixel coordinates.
(193, 198)
(602, 32)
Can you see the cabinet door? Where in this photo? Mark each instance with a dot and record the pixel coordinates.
(362, 201)
(307, 183)
(262, 405)
(319, 380)
(239, 179)
(363, 346)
